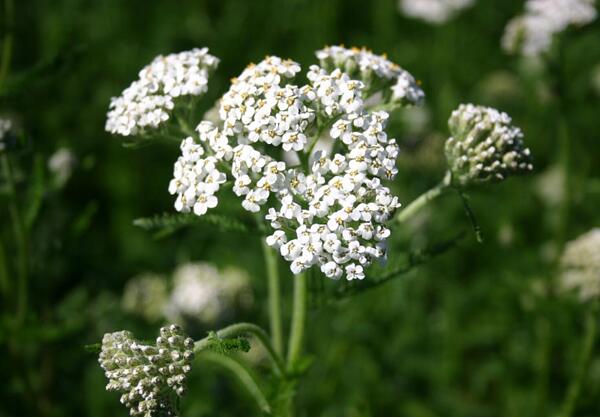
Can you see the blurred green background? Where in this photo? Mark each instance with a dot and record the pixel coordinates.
(478, 331)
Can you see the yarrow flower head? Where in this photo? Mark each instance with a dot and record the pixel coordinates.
(532, 32)
(375, 71)
(146, 375)
(580, 266)
(150, 100)
(433, 11)
(5, 127)
(484, 146)
(330, 210)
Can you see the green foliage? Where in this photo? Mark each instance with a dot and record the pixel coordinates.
(225, 346)
(167, 223)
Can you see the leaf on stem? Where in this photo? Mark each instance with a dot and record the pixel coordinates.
(167, 223)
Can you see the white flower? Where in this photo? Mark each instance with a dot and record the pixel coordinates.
(531, 33)
(203, 293)
(433, 11)
(366, 65)
(484, 146)
(580, 265)
(148, 101)
(331, 209)
(5, 127)
(61, 164)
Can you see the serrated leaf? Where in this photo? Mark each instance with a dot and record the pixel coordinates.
(226, 346)
(168, 223)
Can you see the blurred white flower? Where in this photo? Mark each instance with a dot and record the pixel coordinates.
(201, 293)
(149, 100)
(580, 265)
(146, 295)
(61, 164)
(5, 127)
(433, 11)
(532, 32)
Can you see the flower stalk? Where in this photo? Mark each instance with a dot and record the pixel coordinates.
(274, 297)
(424, 199)
(585, 355)
(298, 321)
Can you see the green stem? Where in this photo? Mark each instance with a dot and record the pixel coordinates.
(423, 199)
(564, 146)
(4, 277)
(584, 358)
(274, 296)
(242, 374)
(247, 328)
(20, 239)
(7, 42)
(298, 320)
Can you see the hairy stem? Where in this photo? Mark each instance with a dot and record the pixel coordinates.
(298, 320)
(421, 201)
(274, 297)
(242, 374)
(585, 355)
(247, 328)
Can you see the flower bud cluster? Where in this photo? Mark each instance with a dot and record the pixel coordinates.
(433, 11)
(147, 374)
(531, 33)
(149, 100)
(330, 211)
(484, 146)
(374, 70)
(5, 127)
(580, 265)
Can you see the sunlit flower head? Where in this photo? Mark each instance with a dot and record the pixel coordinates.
(330, 209)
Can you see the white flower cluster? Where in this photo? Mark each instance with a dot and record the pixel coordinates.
(5, 127)
(61, 164)
(433, 11)
(330, 211)
(484, 146)
(366, 65)
(147, 374)
(149, 100)
(580, 265)
(202, 293)
(531, 33)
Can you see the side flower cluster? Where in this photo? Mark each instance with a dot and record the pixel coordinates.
(580, 265)
(376, 71)
(149, 100)
(531, 33)
(330, 210)
(147, 374)
(484, 146)
(433, 11)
